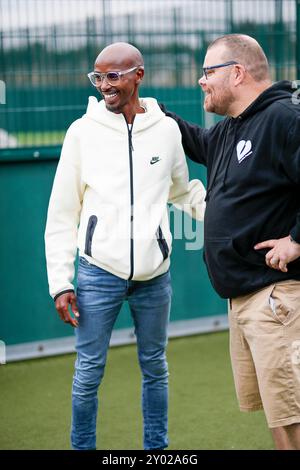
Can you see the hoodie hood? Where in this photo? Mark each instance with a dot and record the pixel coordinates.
(97, 111)
(276, 92)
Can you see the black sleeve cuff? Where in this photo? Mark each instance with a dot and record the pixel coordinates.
(61, 293)
(295, 234)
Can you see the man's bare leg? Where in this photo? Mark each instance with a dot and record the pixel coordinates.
(287, 437)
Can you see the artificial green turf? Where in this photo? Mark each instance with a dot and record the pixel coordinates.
(39, 138)
(35, 403)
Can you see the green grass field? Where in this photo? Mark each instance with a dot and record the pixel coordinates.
(39, 138)
(35, 402)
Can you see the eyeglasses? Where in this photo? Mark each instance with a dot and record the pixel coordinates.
(112, 78)
(207, 71)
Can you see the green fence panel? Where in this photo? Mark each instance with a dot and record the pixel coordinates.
(59, 107)
(46, 50)
(27, 311)
(48, 46)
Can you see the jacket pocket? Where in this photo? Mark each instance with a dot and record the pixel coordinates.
(89, 234)
(282, 304)
(162, 243)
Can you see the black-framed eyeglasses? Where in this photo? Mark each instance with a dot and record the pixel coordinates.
(207, 71)
(112, 78)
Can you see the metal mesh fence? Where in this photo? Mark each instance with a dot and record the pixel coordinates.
(48, 46)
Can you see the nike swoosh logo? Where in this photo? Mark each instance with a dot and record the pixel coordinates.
(154, 161)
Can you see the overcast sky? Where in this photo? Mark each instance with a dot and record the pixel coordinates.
(30, 13)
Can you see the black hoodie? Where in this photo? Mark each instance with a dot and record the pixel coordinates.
(253, 188)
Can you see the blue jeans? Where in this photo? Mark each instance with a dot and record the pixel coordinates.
(100, 296)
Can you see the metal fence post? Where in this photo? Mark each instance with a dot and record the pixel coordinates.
(298, 39)
(279, 31)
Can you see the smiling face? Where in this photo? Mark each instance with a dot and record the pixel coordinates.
(217, 86)
(120, 96)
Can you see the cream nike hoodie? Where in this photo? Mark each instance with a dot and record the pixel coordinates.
(110, 193)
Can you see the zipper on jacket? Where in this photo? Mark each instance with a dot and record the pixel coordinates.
(130, 148)
(89, 234)
(162, 243)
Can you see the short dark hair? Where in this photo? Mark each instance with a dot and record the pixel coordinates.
(245, 50)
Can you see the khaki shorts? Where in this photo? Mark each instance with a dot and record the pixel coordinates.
(265, 351)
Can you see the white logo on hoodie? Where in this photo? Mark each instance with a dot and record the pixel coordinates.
(243, 149)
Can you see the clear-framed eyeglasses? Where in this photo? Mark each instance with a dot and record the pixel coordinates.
(113, 78)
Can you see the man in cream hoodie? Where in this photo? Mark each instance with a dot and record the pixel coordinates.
(120, 165)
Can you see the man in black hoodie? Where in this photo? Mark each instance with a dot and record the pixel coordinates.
(252, 224)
